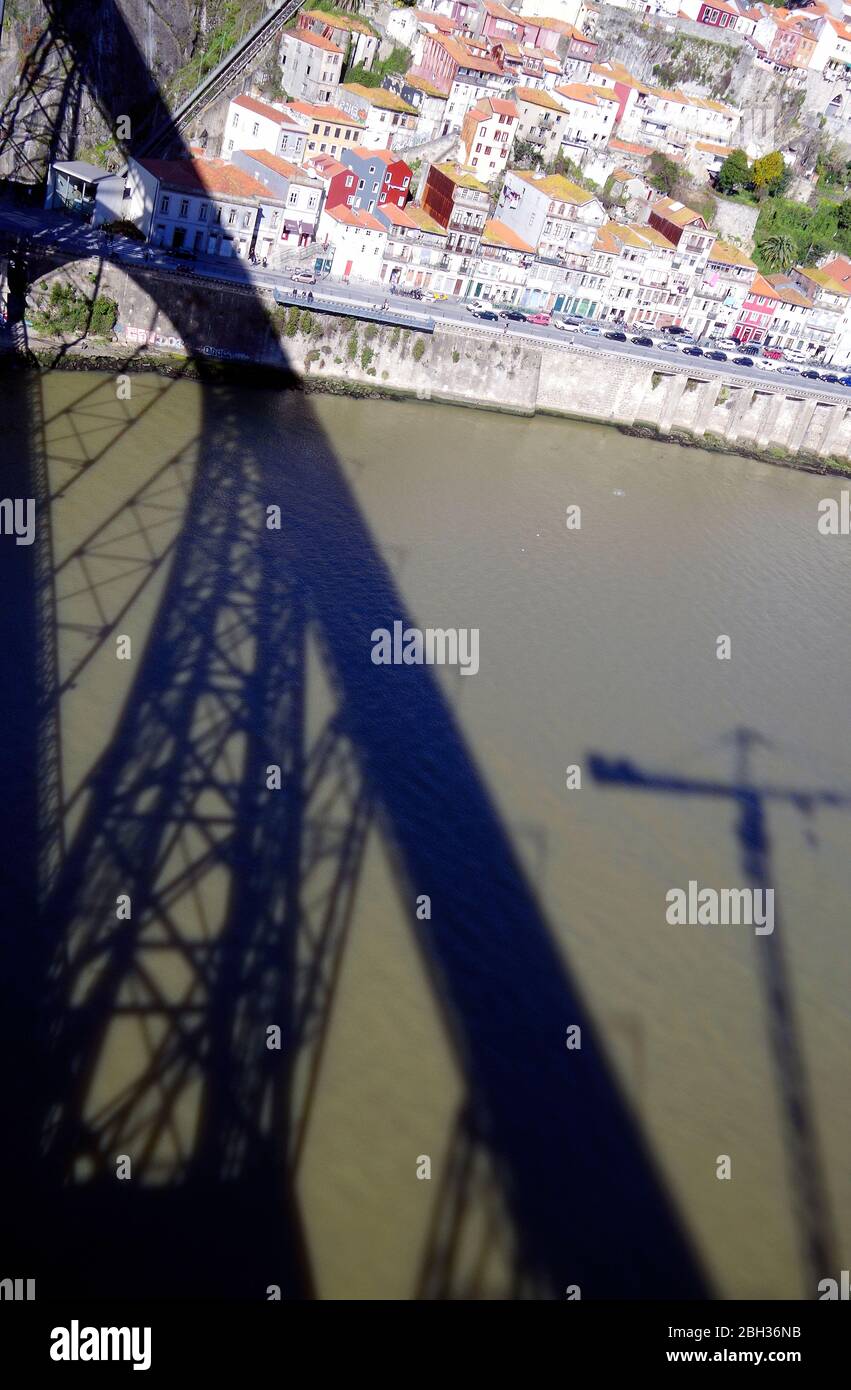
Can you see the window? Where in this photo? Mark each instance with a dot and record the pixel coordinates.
(337, 133)
(327, 130)
(360, 184)
(292, 198)
(163, 204)
(231, 217)
(255, 129)
(217, 214)
(246, 219)
(316, 128)
(202, 213)
(235, 121)
(184, 207)
(274, 220)
(349, 181)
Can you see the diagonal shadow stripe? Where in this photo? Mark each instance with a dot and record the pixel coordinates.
(586, 1200)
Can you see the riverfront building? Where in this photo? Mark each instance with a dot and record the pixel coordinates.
(202, 205)
(258, 125)
(300, 194)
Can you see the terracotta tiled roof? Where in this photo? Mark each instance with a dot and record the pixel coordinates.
(205, 176)
(395, 215)
(538, 97)
(324, 113)
(279, 166)
(497, 234)
(784, 290)
(356, 217)
(675, 212)
(314, 40)
(628, 147)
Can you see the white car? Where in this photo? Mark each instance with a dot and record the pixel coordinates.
(473, 305)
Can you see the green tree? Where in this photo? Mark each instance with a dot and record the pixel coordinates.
(768, 172)
(664, 173)
(778, 252)
(843, 215)
(735, 172)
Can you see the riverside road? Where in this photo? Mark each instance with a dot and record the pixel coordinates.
(43, 230)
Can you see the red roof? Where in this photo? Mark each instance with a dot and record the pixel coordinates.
(326, 165)
(315, 40)
(627, 147)
(386, 156)
(396, 215)
(324, 113)
(356, 217)
(278, 165)
(204, 176)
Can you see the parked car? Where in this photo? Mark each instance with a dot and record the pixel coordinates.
(513, 314)
(668, 345)
(642, 342)
(831, 378)
(675, 331)
(592, 328)
(743, 361)
(542, 319)
(774, 353)
(846, 381)
(486, 314)
(811, 374)
(471, 305)
(693, 351)
(569, 326)
(716, 355)
(303, 277)
(616, 335)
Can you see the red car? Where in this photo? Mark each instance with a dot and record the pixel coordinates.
(539, 318)
(773, 353)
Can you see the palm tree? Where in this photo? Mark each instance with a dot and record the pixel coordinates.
(779, 251)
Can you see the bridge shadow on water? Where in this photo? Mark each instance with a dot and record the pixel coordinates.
(247, 892)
